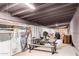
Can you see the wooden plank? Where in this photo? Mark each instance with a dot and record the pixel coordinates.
(41, 45)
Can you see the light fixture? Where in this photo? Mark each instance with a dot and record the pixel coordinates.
(31, 6)
(56, 24)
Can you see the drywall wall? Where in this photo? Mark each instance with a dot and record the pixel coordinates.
(74, 29)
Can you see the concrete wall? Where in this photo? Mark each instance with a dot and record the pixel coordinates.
(74, 29)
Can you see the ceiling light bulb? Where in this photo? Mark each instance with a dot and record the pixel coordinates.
(31, 6)
(56, 24)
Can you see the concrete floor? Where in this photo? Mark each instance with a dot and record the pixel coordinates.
(66, 50)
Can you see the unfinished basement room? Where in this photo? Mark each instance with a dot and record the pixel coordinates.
(39, 29)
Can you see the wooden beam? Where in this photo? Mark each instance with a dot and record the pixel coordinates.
(22, 11)
(48, 10)
(56, 20)
(62, 15)
(60, 24)
(28, 10)
(9, 6)
(53, 13)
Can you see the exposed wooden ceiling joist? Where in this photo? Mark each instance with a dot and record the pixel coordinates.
(61, 24)
(62, 15)
(39, 7)
(7, 7)
(45, 13)
(53, 14)
(50, 21)
(48, 10)
(22, 11)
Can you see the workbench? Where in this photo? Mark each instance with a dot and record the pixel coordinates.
(52, 47)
